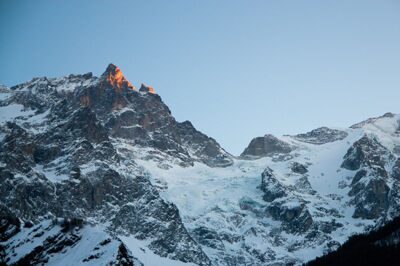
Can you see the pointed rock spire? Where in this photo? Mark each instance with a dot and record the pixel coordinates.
(144, 88)
(115, 78)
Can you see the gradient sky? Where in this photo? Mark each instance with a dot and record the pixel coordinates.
(236, 69)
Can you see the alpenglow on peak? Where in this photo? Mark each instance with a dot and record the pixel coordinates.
(114, 76)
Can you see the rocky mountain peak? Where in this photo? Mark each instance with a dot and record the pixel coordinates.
(373, 120)
(145, 88)
(113, 76)
(267, 145)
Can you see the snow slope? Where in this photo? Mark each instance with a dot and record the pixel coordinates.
(214, 198)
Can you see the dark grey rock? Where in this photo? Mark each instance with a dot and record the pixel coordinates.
(266, 146)
(329, 227)
(357, 177)
(396, 170)
(295, 218)
(394, 199)
(367, 152)
(371, 201)
(271, 187)
(298, 168)
(368, 186)
(303, 185)
(207, 237)
(321, 136)
(249, 204)
(204, 147)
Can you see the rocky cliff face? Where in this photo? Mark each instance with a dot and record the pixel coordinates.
(266, 146)
(158, 191)
(370, 184)
(63, 151)
(321, 136)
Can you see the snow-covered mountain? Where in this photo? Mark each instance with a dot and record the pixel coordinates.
(99, 151)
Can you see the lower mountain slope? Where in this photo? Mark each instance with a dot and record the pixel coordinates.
(60, 242)
(379, 247)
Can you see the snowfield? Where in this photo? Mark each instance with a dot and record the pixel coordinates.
(212, 197)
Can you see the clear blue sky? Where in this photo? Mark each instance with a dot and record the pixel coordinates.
(236, 69)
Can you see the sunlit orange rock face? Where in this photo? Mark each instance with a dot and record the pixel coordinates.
(117, 79)
(151, 90)
(147, 89)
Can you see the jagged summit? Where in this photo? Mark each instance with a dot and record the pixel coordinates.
(145, 88)
(113, 75)
(140, 117)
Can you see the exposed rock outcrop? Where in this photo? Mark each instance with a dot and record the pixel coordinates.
(266, 146)
(321, 136)
(369, 184)
(271, 187)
